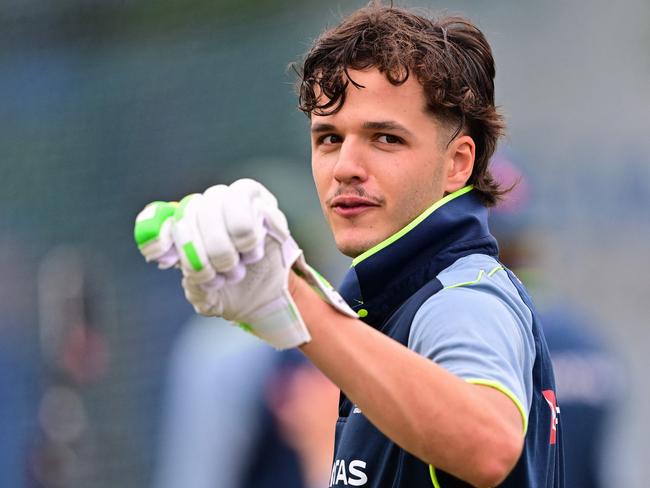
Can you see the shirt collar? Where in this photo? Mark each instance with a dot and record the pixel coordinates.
(383, 277)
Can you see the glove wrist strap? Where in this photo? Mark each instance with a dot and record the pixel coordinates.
(279, 323)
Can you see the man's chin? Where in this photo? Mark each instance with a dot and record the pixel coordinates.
(353, 249)
(349, 252)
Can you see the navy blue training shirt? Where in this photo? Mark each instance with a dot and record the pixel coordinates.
(437, 287)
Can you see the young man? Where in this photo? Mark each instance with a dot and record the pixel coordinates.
(444, 372)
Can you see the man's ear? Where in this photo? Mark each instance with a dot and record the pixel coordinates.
(460, 156)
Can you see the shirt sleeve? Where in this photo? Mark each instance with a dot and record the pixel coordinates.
(482, 335)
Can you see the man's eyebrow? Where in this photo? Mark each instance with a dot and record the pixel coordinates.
(370, 125)
(316, 128)
(386, 125)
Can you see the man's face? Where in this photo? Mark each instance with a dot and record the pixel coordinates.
(379, 162)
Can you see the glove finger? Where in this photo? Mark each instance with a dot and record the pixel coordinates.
(153, 235)
(274, 219)
(217, 242)
(171, 258)
(236, 274)
(205, 300)
(253, 256)
(215, 284)
(199, 298)
(187, 239)
(243, 219)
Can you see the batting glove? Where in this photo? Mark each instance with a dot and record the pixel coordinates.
(234, 248)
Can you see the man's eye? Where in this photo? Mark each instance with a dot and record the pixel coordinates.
(389, 139)
(329, 139)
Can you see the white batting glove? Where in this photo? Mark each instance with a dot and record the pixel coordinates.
(234, 248)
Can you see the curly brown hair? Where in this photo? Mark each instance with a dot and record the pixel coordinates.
(449, 55)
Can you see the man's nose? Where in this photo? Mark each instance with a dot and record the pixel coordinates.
(351, 163)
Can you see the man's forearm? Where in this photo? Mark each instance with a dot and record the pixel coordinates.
(469, 431)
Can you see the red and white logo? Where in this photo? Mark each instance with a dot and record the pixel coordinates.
(549, 395)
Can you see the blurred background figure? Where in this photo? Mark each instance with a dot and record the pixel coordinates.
(73, 295)
(304, 405)
(240, 414)
(237, 413)
(589, 376)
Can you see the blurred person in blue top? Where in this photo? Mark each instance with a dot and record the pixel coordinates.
(587, 371)
(444, 371)
(239, 414)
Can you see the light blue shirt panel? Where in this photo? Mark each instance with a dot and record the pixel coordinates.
(481, 329)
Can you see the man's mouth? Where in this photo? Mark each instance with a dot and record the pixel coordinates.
(351, 206)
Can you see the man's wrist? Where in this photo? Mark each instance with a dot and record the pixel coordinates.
(294, 284)
(302, 293)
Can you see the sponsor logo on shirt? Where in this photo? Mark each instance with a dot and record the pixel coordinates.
(351, 474)
(549, 395)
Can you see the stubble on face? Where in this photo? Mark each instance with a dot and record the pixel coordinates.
(354, 190)
(403, 183)
(415, 201)
(352, 249)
